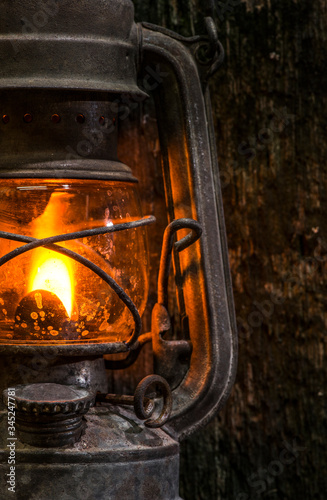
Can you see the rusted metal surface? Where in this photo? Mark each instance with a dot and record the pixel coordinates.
(69, 148)
(50, 415)
(117, 457)
(171, 357)
(161, 387)
(202, 271)
(144, 407)
(89, 45)
(49, 367)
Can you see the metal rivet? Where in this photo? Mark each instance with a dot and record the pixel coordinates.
(5, 119)
(28, 118)
(55, 118)
(80, 118)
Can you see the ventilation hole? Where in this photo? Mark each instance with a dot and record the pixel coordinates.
(80, 118)
(55, 118)
(5, 119)
(102, 120)
(28, 118)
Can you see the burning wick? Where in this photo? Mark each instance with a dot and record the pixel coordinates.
(53, 276)
(50, 271)
(41, 314)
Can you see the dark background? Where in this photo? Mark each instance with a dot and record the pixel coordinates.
(269, 101)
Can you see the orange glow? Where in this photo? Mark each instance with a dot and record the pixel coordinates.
(47, 297)
(51, 271)
(54, 275)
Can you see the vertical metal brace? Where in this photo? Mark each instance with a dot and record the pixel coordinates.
(192, 191)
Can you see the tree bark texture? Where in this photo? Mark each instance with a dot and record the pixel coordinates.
(269, 104)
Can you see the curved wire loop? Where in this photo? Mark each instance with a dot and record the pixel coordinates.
(32, 243)
(140, 401)
(165, 262)
(135, 349)
(219, 52)
(167, 248)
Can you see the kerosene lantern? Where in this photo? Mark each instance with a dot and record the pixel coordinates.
(74, 253)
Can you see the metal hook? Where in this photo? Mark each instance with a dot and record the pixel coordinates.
(216, 45)
(141, 407)
(167, 248)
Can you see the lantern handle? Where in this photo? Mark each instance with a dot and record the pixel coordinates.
(175, 71)
(207, 50)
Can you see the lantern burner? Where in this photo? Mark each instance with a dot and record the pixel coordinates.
(41, 314)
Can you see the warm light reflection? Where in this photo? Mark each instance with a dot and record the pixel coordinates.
(54, 275)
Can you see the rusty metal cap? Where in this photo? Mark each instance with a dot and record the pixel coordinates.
(86, 45)
(51, 399)
(49, 415)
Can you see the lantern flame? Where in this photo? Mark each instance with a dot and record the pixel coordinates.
(51, 271)
(54, 275)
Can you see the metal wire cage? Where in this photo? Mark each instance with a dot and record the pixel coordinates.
(52, 293)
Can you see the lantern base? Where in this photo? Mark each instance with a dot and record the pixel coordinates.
(117, 457)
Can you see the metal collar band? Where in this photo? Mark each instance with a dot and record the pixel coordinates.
(54, 44)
